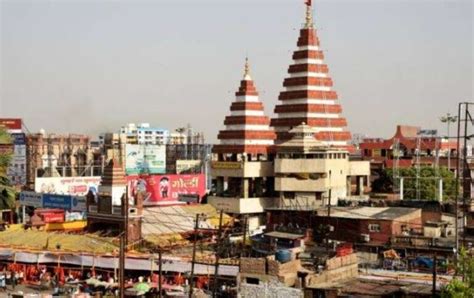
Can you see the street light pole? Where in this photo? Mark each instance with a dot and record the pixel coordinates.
(448, 119)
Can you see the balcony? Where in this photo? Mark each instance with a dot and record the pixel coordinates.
(241, 205)
(310, 165)
(246, 169)
(306, 185)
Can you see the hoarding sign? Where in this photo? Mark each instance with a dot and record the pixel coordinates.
(183, 166)
(78, 204)
(16, 171)
(227, 165)
(11, 123)
(76, 186)
(18, 138)
(30, 198)
(162, 189)
(57, 201)
(150, 159)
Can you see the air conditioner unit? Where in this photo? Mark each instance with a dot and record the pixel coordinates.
(365, 237)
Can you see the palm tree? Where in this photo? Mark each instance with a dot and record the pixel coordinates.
(7, 192)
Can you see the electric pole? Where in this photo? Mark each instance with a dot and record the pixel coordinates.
(448, 119)
(218, 244)
(191, 281)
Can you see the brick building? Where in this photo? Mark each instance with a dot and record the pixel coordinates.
(375, 225)
(409, 140)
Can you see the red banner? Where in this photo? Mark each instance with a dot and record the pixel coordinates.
(11, 123)
(165, 189)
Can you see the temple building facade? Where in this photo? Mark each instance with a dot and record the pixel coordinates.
(243, 167)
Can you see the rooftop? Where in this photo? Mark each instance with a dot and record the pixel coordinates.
(384, 213)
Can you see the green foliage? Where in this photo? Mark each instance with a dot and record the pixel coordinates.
(5, 159)
(428, 186)
(458, 288)
(7, 192)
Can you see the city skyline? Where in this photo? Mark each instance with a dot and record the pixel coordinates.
(163, 63)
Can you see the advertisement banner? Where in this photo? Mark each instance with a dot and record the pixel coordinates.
(16, 171)
(227, 165)
(145, 159)
(30, 198)
(183, 166)
(11, 123)
(166, 189)
(57, 201)
(76, 186)
(18, 138)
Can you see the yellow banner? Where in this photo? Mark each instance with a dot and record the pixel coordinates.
(230, 165)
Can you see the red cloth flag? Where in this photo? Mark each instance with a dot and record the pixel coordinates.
(308, 2)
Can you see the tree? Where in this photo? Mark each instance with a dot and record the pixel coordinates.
(7, 192)
(5, 158)
(456, 287)
(428, 185)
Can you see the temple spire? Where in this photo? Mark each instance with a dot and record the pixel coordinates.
(247, 76)
(309, 15)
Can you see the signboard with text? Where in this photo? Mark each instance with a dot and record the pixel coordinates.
(76, 186)
(145, 159)
(11, 123)
(165, 189)
(31, 198)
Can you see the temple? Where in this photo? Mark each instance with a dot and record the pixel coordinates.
(243, 170)
(308, 95)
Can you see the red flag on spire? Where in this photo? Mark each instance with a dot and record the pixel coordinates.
(308, 2)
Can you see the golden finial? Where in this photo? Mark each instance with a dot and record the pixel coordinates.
(247, 69)
(309, 15)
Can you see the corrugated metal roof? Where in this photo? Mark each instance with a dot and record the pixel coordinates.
(179, 219)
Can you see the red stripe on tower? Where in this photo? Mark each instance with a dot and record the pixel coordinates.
(247, 129)
(308, 96)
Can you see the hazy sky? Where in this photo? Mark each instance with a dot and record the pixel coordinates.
(91, 66)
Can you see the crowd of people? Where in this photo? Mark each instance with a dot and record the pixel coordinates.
(88, 282)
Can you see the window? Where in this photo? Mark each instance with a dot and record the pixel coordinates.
(374, 228)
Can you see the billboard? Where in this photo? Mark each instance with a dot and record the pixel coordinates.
(31, 198)
(145, 159)
(166, 189)
(47, 200)
(75, 186)
(16, 171)
(18, 138)
(186, 166)
(11, 123)
(66, 202)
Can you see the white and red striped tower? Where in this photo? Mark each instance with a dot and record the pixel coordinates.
(308, 96)
(247, 129)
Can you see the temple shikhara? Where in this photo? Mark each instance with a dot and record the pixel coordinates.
(308, 95)
(247, 128)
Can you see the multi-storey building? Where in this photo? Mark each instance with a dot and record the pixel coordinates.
(407, 144)
(310, 174)
(57, 155)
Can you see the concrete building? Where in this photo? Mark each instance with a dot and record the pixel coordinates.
(309, 173)
(243, 170)
(143, 133)
(57, 155)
